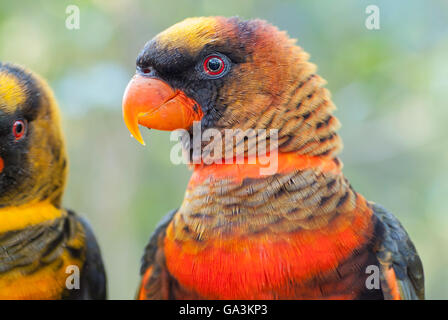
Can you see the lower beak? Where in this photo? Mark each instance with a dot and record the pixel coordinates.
(154, 104)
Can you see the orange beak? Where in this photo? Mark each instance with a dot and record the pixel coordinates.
(152, 103)
(2, 164)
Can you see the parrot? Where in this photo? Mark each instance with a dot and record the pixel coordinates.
(298, 232)
(46, 252)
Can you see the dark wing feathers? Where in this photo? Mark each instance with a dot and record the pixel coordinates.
(152, 286)
(93, 275)
(396, 250)
(151, 248)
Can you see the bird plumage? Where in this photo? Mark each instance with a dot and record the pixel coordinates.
(302, 232)
(39, 239)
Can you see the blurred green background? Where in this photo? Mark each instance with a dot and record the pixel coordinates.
(390, 86)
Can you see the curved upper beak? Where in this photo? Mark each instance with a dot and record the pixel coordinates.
(153, 103)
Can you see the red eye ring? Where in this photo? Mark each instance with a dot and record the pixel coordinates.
(214, 59)
(146, 70)
(19, 129)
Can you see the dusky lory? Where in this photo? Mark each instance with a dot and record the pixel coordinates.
(301, 232)
(46, 251)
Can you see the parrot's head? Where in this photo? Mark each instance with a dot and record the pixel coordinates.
(32, 154)
(231, 74)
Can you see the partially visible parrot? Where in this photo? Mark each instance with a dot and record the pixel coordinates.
(46, 251)
(301, 232)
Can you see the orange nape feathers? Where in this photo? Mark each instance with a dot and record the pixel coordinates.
(286, 163)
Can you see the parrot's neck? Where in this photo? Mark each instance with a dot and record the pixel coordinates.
(305, 193)
(239, 235)
(298, 120)
(262, 167)
(19, 217)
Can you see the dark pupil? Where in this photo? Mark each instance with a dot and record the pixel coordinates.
(214, 64)
(19, 128)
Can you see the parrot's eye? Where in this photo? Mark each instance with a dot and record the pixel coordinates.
(19, 129)
(145, 70)
(215, 66)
